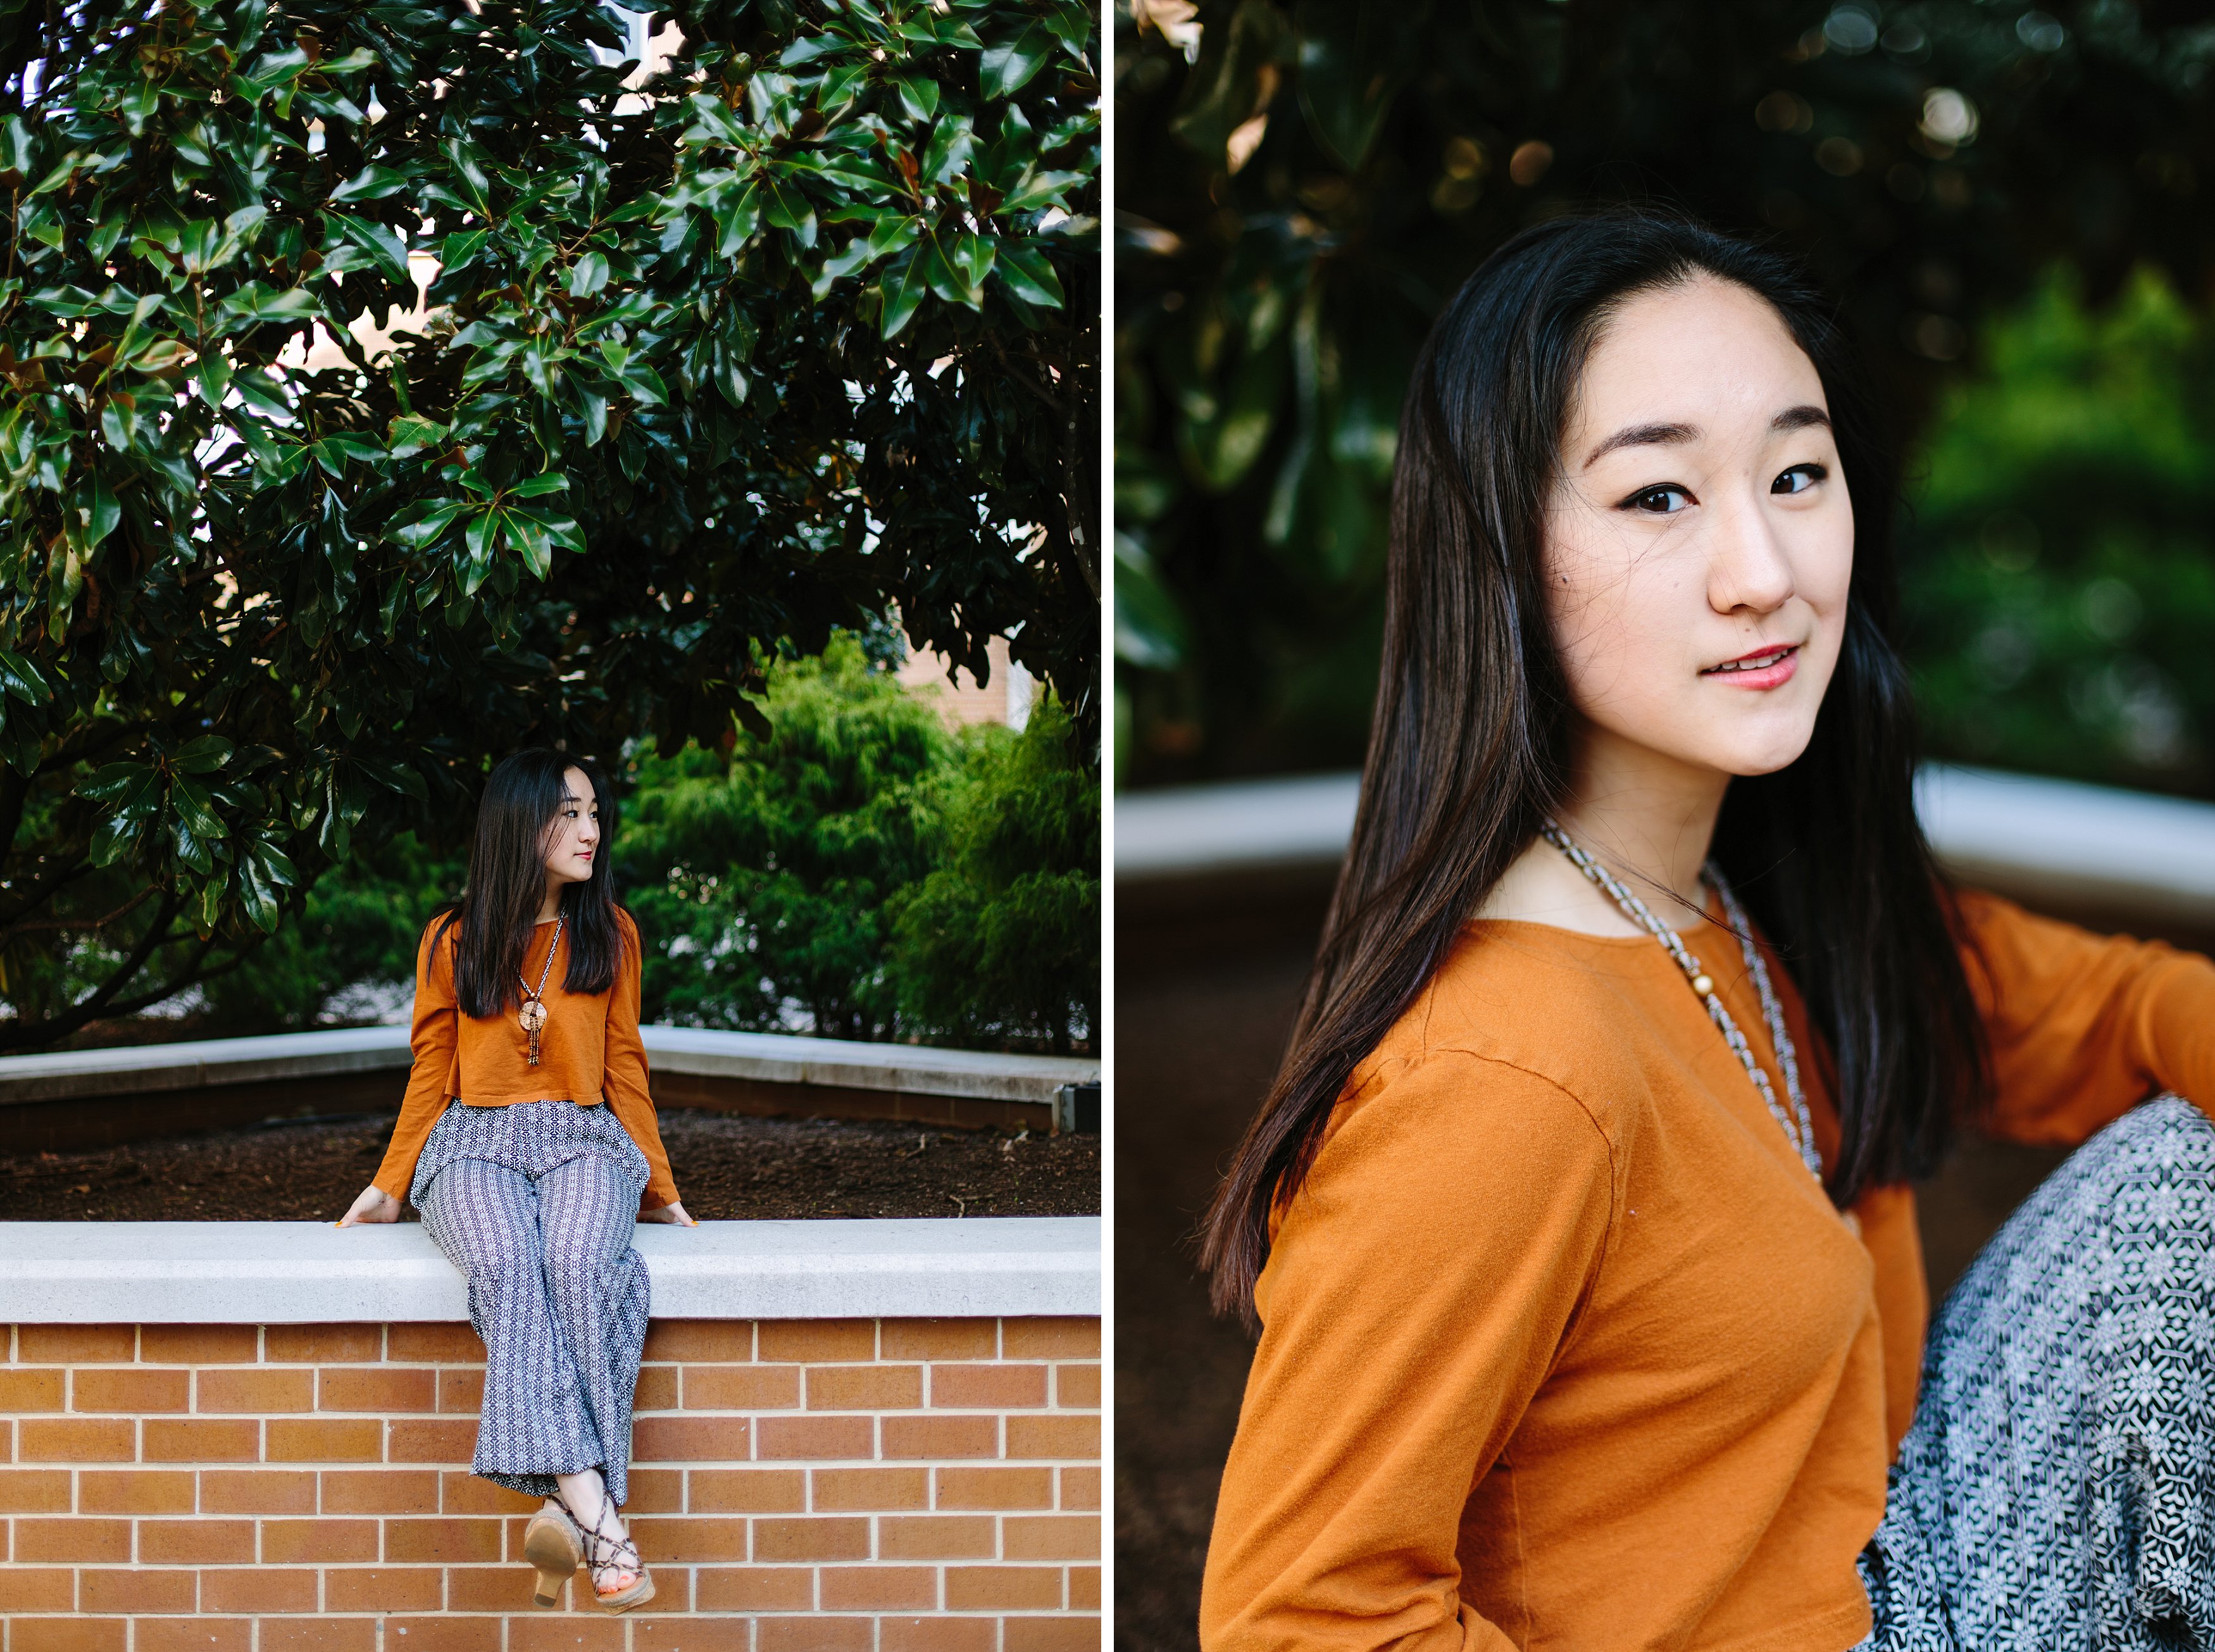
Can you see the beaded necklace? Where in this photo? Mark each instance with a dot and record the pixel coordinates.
(1799, 1128)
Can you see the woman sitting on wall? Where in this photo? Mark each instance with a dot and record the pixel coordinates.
(1578, 1223)
(528, 1142)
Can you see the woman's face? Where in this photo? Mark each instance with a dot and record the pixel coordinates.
(574, 837)
(1700, 540)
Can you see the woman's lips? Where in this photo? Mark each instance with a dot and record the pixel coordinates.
(1766, 668)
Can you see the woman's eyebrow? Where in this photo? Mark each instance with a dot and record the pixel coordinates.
(1644, 436)
(1670, 435)
(1800, 418)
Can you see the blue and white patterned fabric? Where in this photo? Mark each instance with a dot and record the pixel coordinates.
(536, 1203)
(2056, 1489)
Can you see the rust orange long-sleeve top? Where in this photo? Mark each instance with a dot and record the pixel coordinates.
(1562, 1347)
(589, 1052)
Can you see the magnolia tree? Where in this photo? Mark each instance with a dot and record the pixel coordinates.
(798, 330)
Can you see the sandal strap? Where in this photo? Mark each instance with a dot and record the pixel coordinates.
(596, 1539)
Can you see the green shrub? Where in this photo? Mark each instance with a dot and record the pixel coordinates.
(866, 874)
(1001, 943)
(762, 881)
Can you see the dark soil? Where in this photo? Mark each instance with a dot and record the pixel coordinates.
(727, 1167)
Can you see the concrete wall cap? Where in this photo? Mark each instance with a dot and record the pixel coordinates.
(294, 1273)
(768, 1057)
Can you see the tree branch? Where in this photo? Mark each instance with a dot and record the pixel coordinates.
(40, 893)
(93, 1005)
(29, 926)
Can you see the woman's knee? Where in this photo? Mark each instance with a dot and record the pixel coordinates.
(502, 1257)
(2166, 1140)
(574, 1267)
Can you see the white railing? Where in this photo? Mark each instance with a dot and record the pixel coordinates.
(2134, 855)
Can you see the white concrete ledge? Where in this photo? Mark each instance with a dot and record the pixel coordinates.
(1239, 826)
(2136, 856)
(765, 1057)
(312, 1273)
(918, 1069)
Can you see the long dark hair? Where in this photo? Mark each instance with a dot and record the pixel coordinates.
(495, 916)
(1469, 743)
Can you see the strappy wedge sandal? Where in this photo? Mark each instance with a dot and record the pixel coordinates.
(605, 1555)
(553, 1544)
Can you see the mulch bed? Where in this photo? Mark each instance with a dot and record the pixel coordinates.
(727, 1167)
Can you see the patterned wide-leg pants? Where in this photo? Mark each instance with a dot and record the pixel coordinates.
(2056, 1489)
(541, 1226)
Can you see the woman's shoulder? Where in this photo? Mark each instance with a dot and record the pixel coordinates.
(1518, 1006)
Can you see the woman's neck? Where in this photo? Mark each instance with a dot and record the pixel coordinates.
(1646, 818)
(550, 907)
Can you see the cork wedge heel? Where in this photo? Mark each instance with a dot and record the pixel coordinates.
(552, 1544)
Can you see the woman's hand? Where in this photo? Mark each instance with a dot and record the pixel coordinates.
(375, 1205)
(671, 1211)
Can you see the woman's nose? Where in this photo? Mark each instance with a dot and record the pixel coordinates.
(1748, 565)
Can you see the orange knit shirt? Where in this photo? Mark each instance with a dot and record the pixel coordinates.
(589, 1052)
(1564, 1348)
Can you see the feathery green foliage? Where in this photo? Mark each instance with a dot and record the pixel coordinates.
(1000, 943)
(765, 880)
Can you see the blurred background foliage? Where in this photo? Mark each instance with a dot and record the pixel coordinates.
(2006, 200)
(2061, 569)
(863, 871)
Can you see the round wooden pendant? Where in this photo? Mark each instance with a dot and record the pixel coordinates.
(533, 1015)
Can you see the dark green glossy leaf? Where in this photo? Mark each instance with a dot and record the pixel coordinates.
(412, 433)
(383, 248)
(1006, 67)
(189, 798)
(202, 756)
(737, 216)
(22, 679)
(1350, 65)
(1026, 272)
(905, 286)
(258, 302)
(588, 275)
(918, 96)
(372, 183)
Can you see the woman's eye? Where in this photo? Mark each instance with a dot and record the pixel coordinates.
(1799, 479)
(1667, 499)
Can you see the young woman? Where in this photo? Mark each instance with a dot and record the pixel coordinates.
(1577, 1223)
(527, 1140)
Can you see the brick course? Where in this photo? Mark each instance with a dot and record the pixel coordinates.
(887, 1486)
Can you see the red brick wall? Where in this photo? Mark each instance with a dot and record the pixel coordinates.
(879, 1485)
